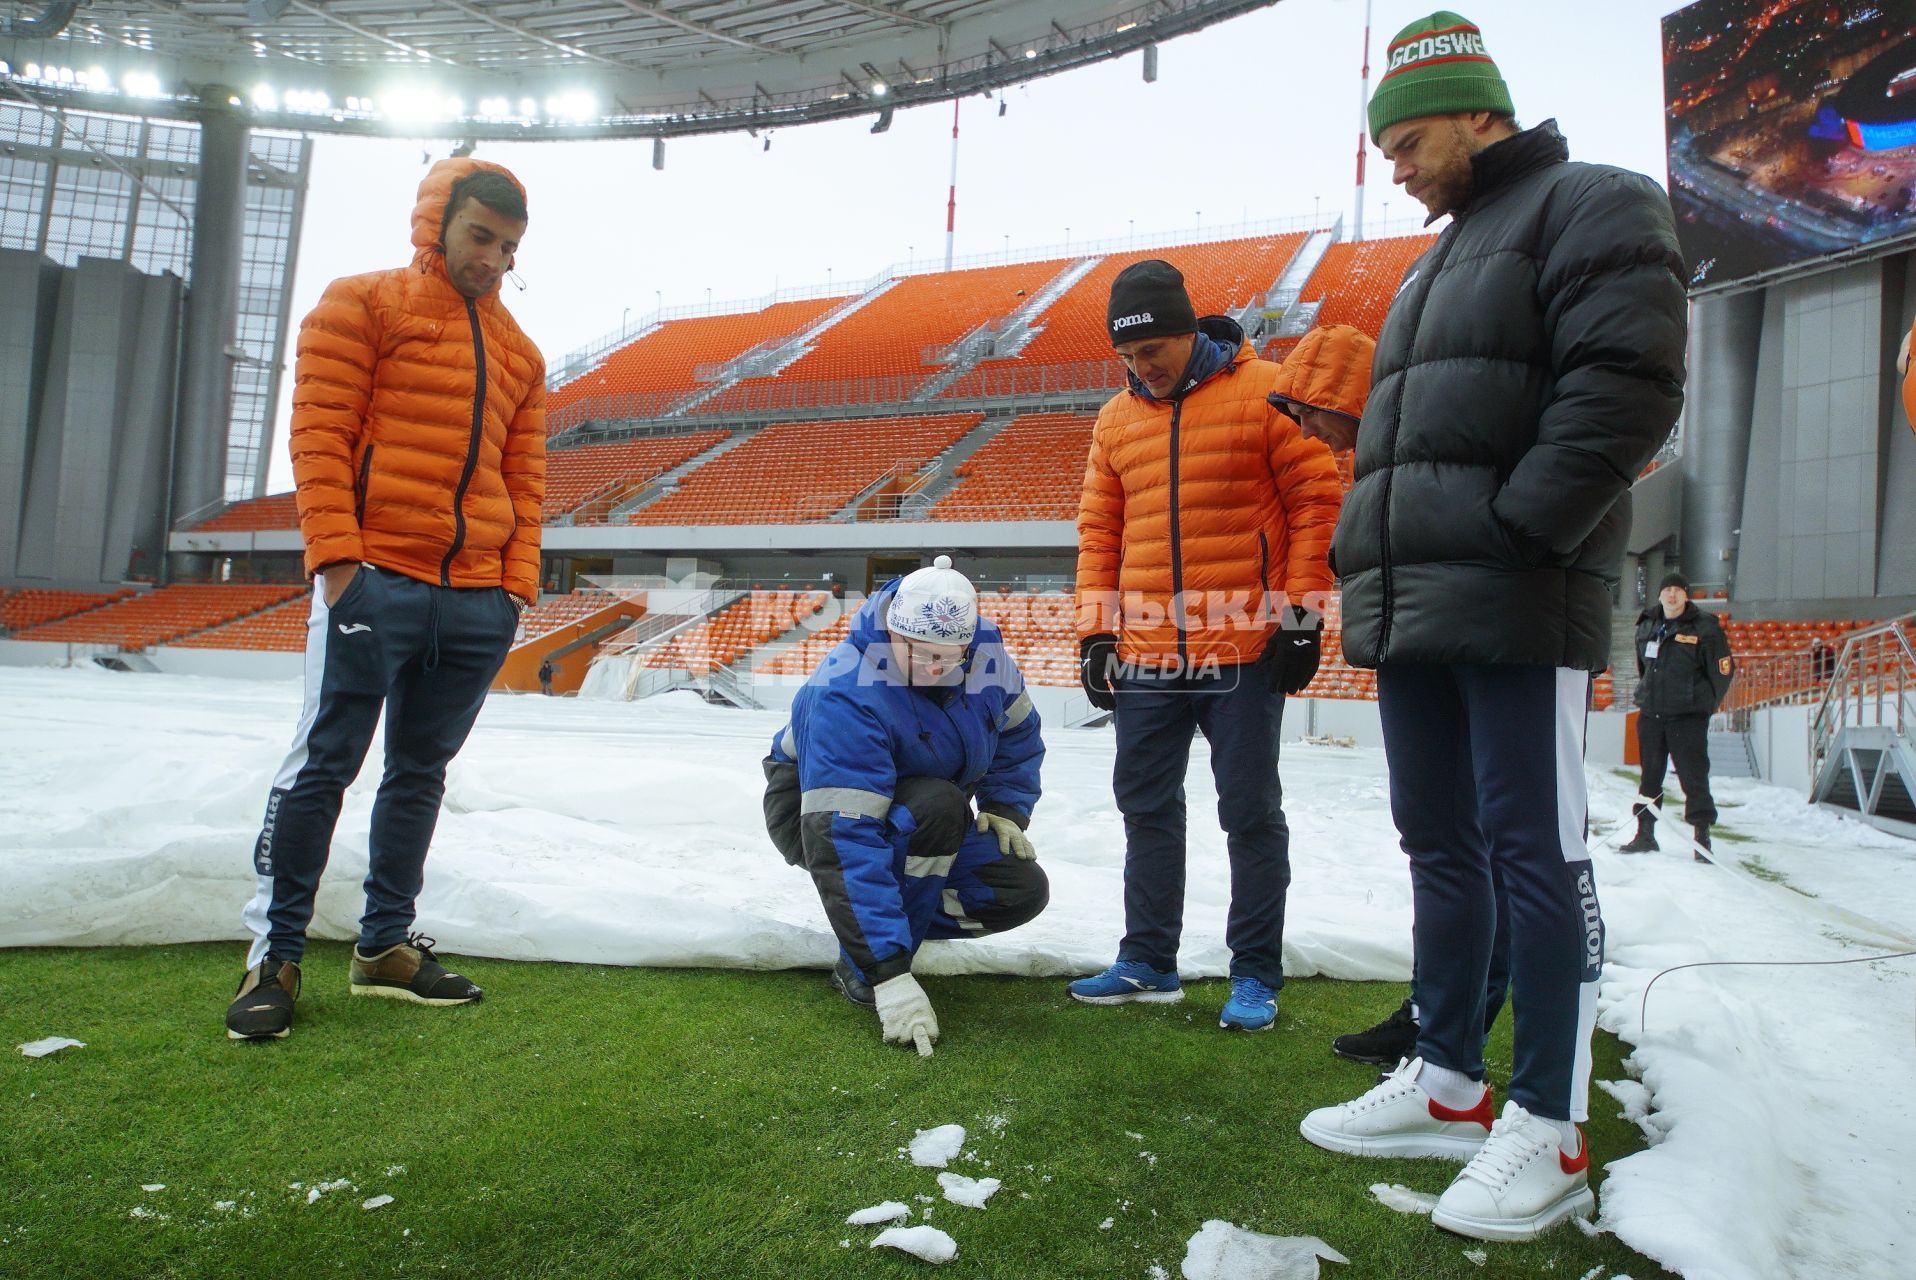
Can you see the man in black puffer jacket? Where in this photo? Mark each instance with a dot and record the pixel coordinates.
(1684, 668)
(1530, 365)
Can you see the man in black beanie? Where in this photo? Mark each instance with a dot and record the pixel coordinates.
(1201, 575)
(1684, 667)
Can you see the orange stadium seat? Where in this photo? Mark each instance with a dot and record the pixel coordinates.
(1356, 281)
(888, 337)
(638, 378)
(1221, 277)
(274, 511)
(804, 471)
(599, 475)
(163, 616)
(734, 631)
(1031, 470)
(29, 607)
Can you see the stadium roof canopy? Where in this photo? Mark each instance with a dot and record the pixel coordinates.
(543, 69)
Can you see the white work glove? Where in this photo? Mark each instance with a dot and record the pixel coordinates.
(904, 1012)
(1010, 839)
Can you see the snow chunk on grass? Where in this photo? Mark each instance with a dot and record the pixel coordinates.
(928, 1243)
(52, 1044)
(1477, 1257)
(152, 1186)
(934, 1148)
(377, 1202)
(1393, 1195)
(1220, 1251)
(889, 1211)
(969, 1192)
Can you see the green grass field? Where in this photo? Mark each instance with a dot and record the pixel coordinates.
(627, 1122)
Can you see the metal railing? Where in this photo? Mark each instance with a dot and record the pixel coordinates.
(1873, 684)
(777, 394)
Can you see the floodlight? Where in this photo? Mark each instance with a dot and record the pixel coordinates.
(879, 89)
(264, 98)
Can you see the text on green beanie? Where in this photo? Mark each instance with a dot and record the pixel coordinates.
(1437, 66)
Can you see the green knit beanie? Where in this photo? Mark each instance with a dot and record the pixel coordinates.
(1437, 66)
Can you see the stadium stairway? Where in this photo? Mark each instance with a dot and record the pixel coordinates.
(1003, 337)
(578, 624)
(917, 505)
(769, 359)
(666, 481)
(1293, 318)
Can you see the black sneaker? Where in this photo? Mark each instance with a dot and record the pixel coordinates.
(263, 1007)
(847, 983)
(407, 971)
(1384, 1045)
(1702, 832)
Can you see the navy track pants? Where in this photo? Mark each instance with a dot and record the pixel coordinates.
(1486, 769)
(1240, 717)
(427, 654)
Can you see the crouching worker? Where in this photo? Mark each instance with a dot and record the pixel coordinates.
(911, 719)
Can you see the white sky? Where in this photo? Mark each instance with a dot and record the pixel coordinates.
(1254, 119)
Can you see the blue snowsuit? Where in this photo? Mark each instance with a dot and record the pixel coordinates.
(870, 789)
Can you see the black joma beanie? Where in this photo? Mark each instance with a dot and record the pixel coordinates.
(1148, 301)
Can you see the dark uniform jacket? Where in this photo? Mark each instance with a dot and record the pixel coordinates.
(1531, 364)
(1693, 666)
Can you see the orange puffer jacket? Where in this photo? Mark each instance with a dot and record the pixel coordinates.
(418, 431)
(1201, 517)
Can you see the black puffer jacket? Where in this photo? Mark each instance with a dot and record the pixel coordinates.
(1530, 366)
(1692, 668)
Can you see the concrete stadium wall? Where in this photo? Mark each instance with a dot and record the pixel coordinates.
(86, 410)
(1827, 524)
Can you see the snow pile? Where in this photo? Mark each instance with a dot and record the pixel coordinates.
(969, 1192)
(376, 1202)
(935, 1148)
(889, 1211)
(1220, 1251)
(928, 1243)
(1401, 1198)
(52, 1044)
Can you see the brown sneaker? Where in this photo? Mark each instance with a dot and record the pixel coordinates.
(263, 1007)
(407, 971)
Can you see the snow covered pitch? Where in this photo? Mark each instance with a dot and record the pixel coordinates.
(1777, 1099)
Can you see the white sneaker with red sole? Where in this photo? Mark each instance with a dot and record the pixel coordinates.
(1519, 1184)
(1397, 1118)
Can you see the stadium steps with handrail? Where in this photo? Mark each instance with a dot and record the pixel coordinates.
(1293, 318)
(665, 482)
(1002, 338)
(770, 359)
(918, 503)
(1863, 733)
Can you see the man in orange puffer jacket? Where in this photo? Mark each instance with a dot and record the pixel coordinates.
(418, 446)
(1202, 535)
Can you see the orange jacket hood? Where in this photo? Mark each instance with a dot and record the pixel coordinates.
(1329, 369)
(429, 210)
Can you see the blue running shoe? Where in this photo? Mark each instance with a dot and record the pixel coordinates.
(1129, 982)
(1252, 1006)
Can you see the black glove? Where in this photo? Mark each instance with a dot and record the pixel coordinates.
(1290, 659)
(1097, 669)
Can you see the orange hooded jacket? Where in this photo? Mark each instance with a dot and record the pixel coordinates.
(418, 432)
(1200, 518)
(1329, 368)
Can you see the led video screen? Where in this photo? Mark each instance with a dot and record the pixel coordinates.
(1792, 131)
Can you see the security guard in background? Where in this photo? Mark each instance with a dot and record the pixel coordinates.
(1684, 668)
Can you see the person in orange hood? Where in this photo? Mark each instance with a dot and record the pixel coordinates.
(418, 446)
(1202, 534)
